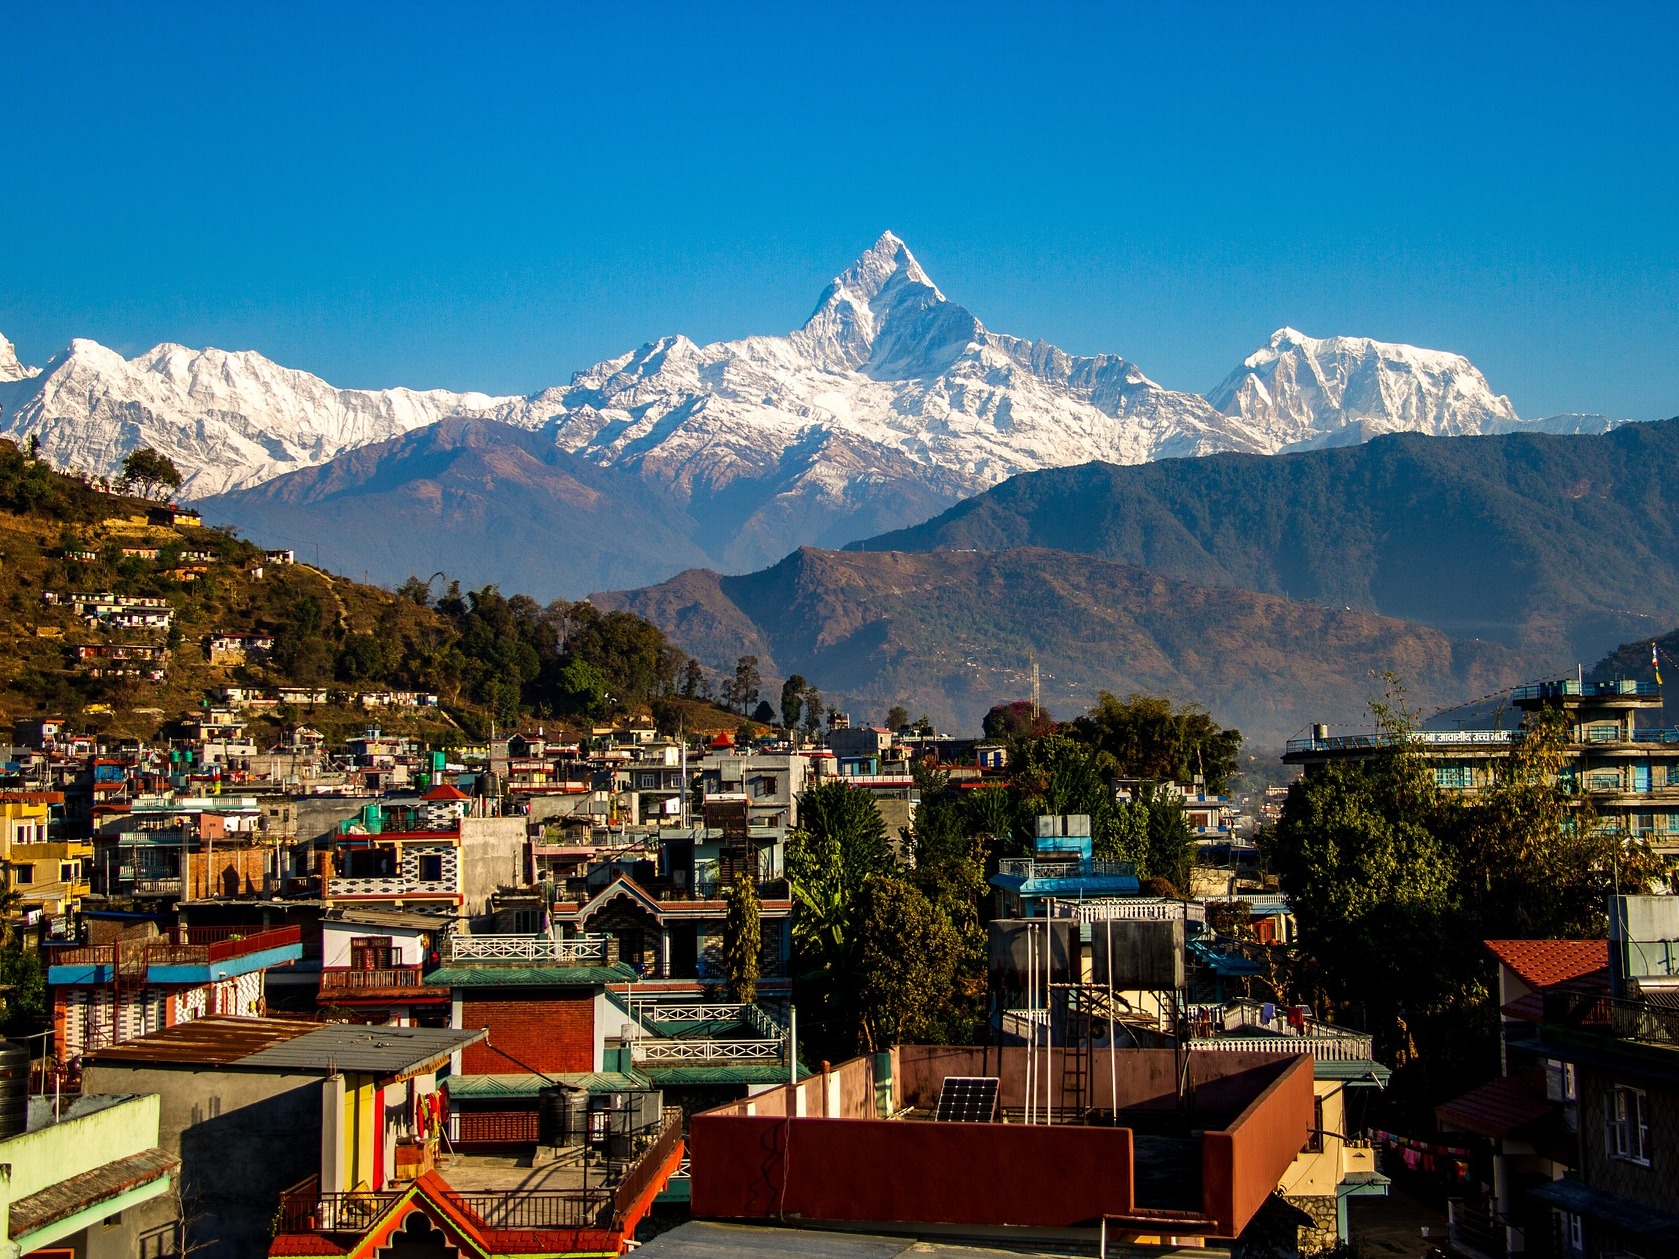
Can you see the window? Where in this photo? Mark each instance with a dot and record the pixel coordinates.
(1626, 1125)
(158, 1244)
(1314, 1138)
(1573, 1234)
(431, 867)
(23, 874)
(1460, 776)
(66, 871)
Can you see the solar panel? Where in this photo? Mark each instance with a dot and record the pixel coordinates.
(967, 1099)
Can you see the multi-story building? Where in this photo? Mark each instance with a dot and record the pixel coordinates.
(1628, 773)
(1611, 1061)
(438, 853)
(135, 983)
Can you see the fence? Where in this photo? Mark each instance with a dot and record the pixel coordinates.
(569, 951)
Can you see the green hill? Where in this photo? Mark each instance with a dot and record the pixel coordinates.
(1558, 546)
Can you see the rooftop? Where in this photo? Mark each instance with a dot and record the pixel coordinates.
(1499, 1107)
(1541, 963)
(292, 1044)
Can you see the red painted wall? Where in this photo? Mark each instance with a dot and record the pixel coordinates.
(860, 1169)
(1241, 1165)
(546, 1033)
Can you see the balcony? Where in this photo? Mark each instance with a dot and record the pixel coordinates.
(611, 1208)
(396, 983)
(1032, 868)
(1240, 1027)
(391, 887)
(583, 950)
(1569, 688)
(183, 955)
(1490, 739)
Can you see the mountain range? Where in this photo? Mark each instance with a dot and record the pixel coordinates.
(1267, 588)
(888, 405)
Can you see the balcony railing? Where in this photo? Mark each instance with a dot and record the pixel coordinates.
(305, 1209)
(1569, 688)
(584, 950)
(1033, 868)
(1115, 909)
(182, 946)
(1420, 738)
(1241, 1026)
(392, 886)
(654, 1013)
(377, 978)
(677, 1053)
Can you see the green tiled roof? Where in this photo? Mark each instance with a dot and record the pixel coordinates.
(721, 1073)
(500, 976)
(528, 1084)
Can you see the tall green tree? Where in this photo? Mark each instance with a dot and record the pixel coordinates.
(793, 701)
(910, 959)
(743, 937)
(840, 844)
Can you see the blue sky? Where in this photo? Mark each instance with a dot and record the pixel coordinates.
(493, 196)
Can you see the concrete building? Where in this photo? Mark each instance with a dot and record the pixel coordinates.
(251, 1107)
(88, 1179)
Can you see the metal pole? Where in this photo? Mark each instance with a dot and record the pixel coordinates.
(792, 1053)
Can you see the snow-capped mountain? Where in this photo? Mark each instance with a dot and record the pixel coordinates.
(227, 419)
(1310, 391)
(889, 404)
(10, 368)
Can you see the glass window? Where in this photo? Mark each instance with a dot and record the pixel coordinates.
(1626, 1125)
(431, 867)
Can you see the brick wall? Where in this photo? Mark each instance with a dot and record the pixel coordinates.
(546, 1032)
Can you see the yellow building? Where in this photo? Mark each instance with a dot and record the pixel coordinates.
(47, 874)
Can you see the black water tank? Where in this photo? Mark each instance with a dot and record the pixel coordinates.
(562, 1115)
(14, 1089)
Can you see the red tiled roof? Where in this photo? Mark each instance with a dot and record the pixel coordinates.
(1500, 1106)
(304, 1244)
(443, 791)
(1541, 963)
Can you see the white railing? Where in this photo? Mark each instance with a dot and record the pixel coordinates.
(687, 1052)
(653, 1013)
(395, 886)
(1114, 909)
(1056, 868)
(568, 951)
(1251, 1032)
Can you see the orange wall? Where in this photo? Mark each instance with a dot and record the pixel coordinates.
(1241, 1165)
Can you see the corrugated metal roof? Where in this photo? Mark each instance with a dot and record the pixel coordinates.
(215, 1041)
(516, 976)
(88, 1189)
(391, 918)
(279, 1044)
(373, 1050)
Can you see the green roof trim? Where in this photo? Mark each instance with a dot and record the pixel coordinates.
(527, 1084)
(723, 1073)
(530, 976)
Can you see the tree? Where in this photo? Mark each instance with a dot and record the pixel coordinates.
(1017, 720)
(897, 717)
(741, 691)
(1168, 846)
(814, 709)
(909, 956)
(793, 701)
(839, 846)
(693, 680)
(1149, 738)
(152, 474)
(582, 688)
(764, 714)
(743, 940)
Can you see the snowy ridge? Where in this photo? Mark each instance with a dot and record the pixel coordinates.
(10, 368)
(889, 403)
(1306, 391)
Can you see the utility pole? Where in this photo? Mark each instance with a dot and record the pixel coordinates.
(1037, 690)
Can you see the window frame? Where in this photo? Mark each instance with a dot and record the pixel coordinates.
(1626, 1125)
